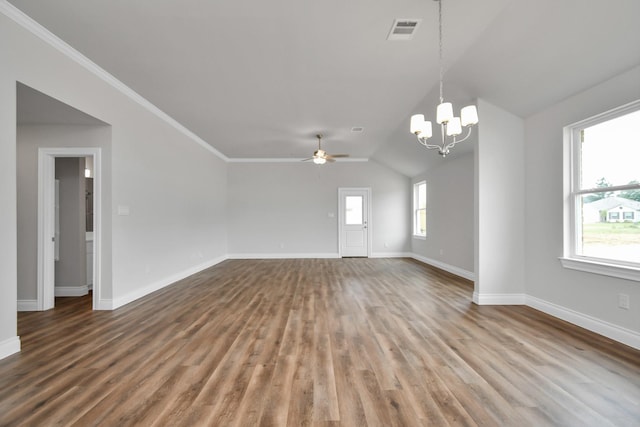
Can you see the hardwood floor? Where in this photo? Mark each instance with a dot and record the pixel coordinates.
(326, 342)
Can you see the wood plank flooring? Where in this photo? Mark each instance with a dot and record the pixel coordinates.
(317, 342)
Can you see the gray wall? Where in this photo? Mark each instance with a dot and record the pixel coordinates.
(278, 209)
(500, 207)
(450, 197)
(29, 139)
(591, 295)
(71, 267)
(174, 187)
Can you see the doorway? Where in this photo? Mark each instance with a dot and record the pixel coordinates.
(47, 221)
(354, 230)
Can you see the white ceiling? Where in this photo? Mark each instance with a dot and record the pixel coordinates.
(260, 79)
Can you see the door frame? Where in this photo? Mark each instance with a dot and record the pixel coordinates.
(46, 221)
(341, 192)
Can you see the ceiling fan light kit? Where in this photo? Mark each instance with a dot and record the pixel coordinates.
(320, 157)
(450, 126)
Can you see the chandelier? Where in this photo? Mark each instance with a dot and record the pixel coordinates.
(451, 127)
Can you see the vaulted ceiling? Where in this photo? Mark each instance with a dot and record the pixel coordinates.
(260, 79)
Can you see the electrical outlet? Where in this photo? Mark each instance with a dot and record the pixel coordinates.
(623, 301)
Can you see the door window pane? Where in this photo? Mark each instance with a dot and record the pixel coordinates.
(353, 210)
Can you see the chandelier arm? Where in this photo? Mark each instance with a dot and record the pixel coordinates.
(424, 143)
(456, 141)
(466, 136)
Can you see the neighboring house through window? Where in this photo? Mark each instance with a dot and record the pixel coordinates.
(602, 194)
(420, 209)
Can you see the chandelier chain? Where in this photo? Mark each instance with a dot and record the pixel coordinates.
(440, 48)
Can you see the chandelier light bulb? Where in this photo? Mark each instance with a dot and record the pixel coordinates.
(469, 115)
(444, 113)
(454, 127)
(427, 130)
(417, 122)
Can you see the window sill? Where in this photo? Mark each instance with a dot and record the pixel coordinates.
(419, 237)
(597, 267)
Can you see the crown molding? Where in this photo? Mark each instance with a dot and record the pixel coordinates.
(288, 160)
(22, 19)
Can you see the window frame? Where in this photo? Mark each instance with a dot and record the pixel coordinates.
(572, 193)
(416, 209)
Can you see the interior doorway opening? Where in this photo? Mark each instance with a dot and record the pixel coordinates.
(49, 226)
(48, 129)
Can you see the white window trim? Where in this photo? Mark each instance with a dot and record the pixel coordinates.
(414, 209)
(571, 156)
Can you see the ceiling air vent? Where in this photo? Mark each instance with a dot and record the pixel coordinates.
(403, 29)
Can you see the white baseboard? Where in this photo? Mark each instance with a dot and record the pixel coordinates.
(614, 332)
(27, 305)
(283, 256)
(70, 291)
(499, 299)
(9, 346)
(391, 255)
(469, 275)
(105, 304)
(139, 293)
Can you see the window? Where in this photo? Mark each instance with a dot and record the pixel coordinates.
(420, 209)
(602, 192)
(353, 210)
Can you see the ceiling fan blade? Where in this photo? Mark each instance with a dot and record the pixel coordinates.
(306, 160)
(337, 156)
(330, 159)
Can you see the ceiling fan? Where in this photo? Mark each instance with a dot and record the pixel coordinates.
(320, 157)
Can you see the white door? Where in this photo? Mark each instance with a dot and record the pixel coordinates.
(354, 221)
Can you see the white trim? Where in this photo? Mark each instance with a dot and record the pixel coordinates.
(46, 179)
(28, 305)
(414, 209)
(54, 41)
(46, 230)
(391, 255)
(283, 256)
(105, 304)
(291, 160)
(369, 223)
(605, 269)
(469, 275)
(609, 330)
(499, 299)
(572, 232)
(9, 346)
(71, 291)
(139, 293)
